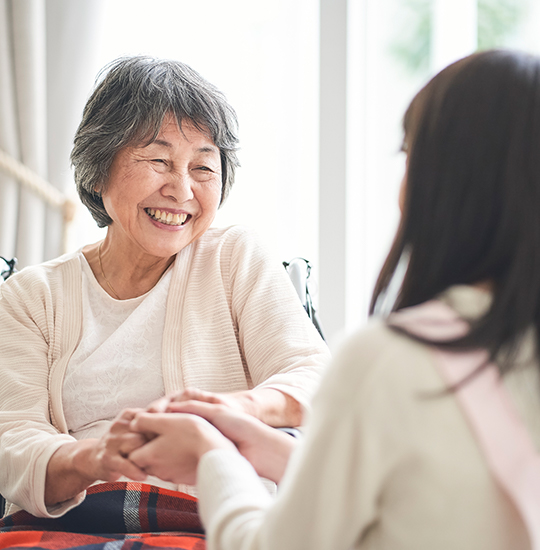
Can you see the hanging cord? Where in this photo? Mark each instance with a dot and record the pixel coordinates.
(50, 194)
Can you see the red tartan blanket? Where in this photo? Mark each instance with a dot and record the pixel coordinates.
(128, 515)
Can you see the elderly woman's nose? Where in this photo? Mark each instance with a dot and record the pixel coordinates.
(179, 187)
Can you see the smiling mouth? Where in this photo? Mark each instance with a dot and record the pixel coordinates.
(167, 218)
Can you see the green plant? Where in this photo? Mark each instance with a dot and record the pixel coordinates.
(498, 20)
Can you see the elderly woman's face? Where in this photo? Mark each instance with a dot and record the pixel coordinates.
(163, 196)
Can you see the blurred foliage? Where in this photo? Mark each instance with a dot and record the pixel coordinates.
(497, 22)
(412, 45)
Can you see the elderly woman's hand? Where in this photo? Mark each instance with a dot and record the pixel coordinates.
(119, 441)
(108, 460)
(176, 443)
(75, 466)
(270, 406)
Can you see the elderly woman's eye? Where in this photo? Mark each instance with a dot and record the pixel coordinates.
(163, 161)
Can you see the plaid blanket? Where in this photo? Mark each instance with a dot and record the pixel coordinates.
(114, 516)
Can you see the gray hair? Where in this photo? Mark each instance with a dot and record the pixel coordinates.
(128, 107)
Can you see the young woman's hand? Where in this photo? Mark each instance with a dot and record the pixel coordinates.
(176, 442)
(266, 448)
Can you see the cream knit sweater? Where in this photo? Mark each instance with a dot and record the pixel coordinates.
(387, 462)
(233, 322)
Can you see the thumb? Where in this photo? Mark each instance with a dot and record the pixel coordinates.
(147, 423)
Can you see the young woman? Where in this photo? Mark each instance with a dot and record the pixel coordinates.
(397, 453)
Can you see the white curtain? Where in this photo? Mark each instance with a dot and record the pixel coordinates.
(45, 49)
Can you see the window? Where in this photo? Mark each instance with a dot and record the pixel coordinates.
(265, 57)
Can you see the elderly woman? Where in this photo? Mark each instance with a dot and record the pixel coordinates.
(163, 304)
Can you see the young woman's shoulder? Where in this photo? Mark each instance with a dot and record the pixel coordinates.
(378, 358)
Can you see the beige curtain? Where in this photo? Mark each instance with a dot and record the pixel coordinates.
(47, 48)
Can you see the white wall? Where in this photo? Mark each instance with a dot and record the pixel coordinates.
(263, 56)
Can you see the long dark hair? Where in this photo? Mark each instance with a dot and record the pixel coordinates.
(471, 208)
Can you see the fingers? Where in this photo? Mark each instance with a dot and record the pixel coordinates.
(195, 394)
(208, 411)
(159, 423)
(129, 442)
(116, 445)
(109, 460)
(159, 405)
(161, 459)
(120, 424)
(128, 414)
(115, 466)
(180, 441)
(121, 439)
(147, 422)
(237, 426)
(162, 405)
(172, 454)
(146, 458)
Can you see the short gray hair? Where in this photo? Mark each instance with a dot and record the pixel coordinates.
(128, 106)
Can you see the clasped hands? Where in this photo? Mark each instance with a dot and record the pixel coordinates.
(168, 439)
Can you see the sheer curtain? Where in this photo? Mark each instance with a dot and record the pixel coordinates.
(319, 90)
(44, 53)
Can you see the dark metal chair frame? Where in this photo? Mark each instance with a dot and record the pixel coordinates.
(7, 268)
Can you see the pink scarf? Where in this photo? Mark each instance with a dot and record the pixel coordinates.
(501, 434)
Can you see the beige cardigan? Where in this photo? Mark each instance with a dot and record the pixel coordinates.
(233, 322)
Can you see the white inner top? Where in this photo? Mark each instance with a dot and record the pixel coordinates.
(118, 361)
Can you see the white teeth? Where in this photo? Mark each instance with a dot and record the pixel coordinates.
(167, 217)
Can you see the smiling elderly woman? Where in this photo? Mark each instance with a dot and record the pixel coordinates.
(163, 304)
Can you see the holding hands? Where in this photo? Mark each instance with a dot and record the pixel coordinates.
(268, 405)
(169, 438)
(75, 466)
(176, 442)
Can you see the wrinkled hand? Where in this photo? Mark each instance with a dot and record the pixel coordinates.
(112, 450)
(266, 448)
(176, 442)
(74, 466)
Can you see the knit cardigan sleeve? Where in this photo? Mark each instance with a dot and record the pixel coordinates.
(30, 318)
(280, 345)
